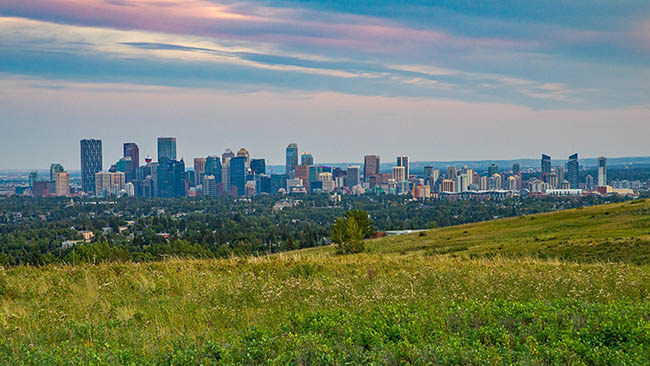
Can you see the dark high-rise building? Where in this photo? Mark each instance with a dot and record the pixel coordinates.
(264, 184)
(546, 164)
(238, 174)
(278, 181)
(125, 165)
(492, 170)
(213, 167)
(169, 178)
(258, 166)
(166, 148)
(404, 161)
(306, 159)
(292, 158)
(572, 170)
(131, 149)
(516, 168)
(91, 163)
(370, 166)
(546, 167)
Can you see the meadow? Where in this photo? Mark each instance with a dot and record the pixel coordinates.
(571, 287)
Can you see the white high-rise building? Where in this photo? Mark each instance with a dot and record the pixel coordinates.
(602, 171)
(130, 189)
(399, 173)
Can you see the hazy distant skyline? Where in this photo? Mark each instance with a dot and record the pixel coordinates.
(457, 80)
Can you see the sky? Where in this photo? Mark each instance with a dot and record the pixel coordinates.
(443, 80)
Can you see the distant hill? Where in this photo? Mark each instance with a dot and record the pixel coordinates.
(418, 166)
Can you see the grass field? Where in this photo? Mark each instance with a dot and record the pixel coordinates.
(561, 288)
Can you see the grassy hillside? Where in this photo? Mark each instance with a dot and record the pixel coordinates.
(617, 232)
(397, 304)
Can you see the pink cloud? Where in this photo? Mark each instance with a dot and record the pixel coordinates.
(280, 26)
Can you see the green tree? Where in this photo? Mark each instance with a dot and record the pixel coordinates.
(347, 235)
(362, 219)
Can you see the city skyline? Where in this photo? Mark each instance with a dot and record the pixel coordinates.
(499, 77)
(107, 161)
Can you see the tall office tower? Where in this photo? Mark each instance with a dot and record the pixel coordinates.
(553, 180)
(125, 165)
(461, 183)
(306, 159)
(546, 164)
(493, 169)
(225, 164)
(212, 166)
(399, 173)
(589, 182)
(91, 163)
(495, 182)
(291, 158)
(130, 189)
(511, 183)
(238, 174)
(226, 156)
(404, 161)
(166, 148)
(451, 173)
(199, 170)
(54, 169)
(560, 173)
(62, 184)
(353, 176)
(107, 183)
(428, 171)
(302, 173)
(258, 166)
(602, 171)
(210, 186)
(370, 166)
(179, 178)
(244, 153)
(33, 178)
(572, 169)
(131, 149)
(470, 175)
(516, 168)
(448, 185)
(169, 178)
(483, 184)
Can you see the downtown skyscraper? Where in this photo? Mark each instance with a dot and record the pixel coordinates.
(91, 163)
(572, 169)
(370, 166)
(132, 150)
(602, 171)
(291, 158)
(166, 148)
(404, 161)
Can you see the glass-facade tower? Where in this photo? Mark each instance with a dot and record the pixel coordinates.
(91, 163)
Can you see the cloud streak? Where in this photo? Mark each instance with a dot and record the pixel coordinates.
(544, 56)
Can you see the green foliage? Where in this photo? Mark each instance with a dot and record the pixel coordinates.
(362, 218)
(32, 230)
(347, 235)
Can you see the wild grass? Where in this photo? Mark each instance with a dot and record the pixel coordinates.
(410, 300)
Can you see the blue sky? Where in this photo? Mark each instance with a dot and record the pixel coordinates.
(459, 79)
